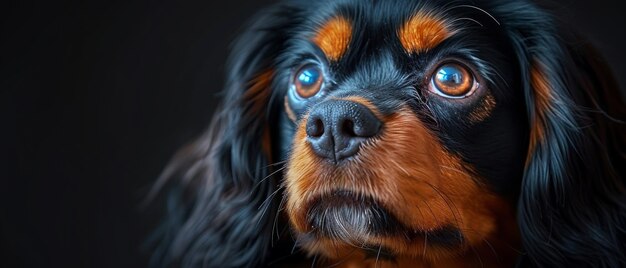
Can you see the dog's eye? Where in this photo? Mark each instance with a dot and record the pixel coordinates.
(308, 81)
(452, 80)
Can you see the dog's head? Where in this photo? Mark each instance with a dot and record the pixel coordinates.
(406, 132)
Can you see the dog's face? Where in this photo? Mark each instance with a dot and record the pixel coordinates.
(405, 129)
(405, 133)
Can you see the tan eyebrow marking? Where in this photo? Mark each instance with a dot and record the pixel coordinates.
(333, 37)
(423, 31)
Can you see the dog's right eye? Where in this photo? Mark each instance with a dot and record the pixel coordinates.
(308, 81)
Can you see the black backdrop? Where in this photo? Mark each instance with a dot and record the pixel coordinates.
(96, 96)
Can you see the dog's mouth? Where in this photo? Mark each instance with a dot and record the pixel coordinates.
(359, 219)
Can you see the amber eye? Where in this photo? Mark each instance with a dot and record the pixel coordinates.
(308, 81)
(452, 80)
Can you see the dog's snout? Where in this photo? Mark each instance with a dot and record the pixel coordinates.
(336, 128)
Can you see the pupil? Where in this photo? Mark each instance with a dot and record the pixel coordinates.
(308, 76)
(450, 75)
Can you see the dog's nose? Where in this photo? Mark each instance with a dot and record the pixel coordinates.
(336, 128)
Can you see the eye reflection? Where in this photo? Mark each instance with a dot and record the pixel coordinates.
(308, 81)
(308, 77)
(452, 80)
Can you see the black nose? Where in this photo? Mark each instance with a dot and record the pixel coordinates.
(336, 128)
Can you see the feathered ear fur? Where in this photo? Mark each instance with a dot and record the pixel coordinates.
(572, 207)
(219, 213)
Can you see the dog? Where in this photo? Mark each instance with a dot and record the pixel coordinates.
(404, 134)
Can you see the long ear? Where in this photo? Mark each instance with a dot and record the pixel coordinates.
(572, 206)
(219, 205)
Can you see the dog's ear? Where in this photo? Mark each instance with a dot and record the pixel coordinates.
(220, 204)
(572, 208)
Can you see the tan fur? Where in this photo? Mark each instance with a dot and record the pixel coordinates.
(543, 101)
(412, 175)
(258, 93)
(334, 37)
(423, 32)
(483, 110)
(256, 98)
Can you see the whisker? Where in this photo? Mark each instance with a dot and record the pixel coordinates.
(295, 245)
(478, 256)
(449, 203)
(314, 260)
(492, 250)
(266, 177)
(265, 205)
(277, 163)
(380, 247)
(430, 114)
(275, 224)
(470, 19)
(477, 8)
(269, 198)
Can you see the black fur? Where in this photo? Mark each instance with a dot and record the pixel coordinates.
(572, 207)
(224, 189)
(217, 208)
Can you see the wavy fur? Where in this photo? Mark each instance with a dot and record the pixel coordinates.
(219, 203)
(571, 210)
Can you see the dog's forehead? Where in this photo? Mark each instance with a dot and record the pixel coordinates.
(415, 25)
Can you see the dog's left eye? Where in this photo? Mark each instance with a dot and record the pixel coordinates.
(308, 81)
(453, 80)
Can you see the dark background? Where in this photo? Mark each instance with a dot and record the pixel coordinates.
(95, 98)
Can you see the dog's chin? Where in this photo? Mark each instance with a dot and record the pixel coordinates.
(346, 216)
(351, 219)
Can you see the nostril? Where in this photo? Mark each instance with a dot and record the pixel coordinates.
(347, 128)
(315, 127)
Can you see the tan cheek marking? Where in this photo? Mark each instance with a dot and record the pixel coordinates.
(423, 32)
(333, 37)
(543, 102)
(303, 162)
(483, 110)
